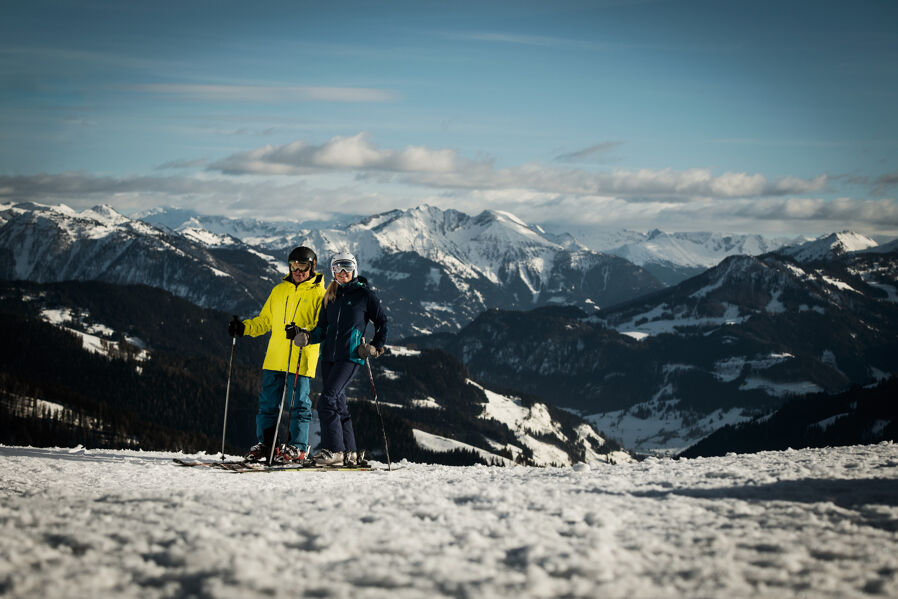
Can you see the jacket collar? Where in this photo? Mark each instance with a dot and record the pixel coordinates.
(356, 283)
(315, 279)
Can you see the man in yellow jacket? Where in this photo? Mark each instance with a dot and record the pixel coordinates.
(293, 304)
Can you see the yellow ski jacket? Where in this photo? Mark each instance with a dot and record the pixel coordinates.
(289, 302)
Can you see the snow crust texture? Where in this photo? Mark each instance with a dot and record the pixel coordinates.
(808, 523)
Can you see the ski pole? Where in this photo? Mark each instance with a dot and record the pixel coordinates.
(274, 441)
(293, 394)
(224, 427)
(377, 408)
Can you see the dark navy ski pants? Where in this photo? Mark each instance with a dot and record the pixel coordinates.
(336, 424)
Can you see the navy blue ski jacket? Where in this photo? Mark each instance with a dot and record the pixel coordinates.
(342, 322)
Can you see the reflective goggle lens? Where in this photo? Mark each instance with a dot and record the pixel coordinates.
(300, 266)
(343, 266)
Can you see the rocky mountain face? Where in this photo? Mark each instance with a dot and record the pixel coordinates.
(55, 243)
(733, 342)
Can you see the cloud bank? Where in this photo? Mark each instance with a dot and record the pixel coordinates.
(353, 175)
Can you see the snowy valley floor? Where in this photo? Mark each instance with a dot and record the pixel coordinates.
(809, 523)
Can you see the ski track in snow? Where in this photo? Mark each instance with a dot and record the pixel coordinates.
(115, 523)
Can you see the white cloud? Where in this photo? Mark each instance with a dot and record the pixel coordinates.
(445, 168)
(341, 153)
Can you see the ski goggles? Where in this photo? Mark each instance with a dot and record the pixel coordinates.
(300, 266)
(347, 266)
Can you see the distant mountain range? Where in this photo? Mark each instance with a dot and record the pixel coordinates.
(674, 257)
(435, 270)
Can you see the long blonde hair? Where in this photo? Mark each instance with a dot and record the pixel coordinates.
(331, 292)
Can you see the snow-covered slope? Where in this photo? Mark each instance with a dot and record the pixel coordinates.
(110, 523)
(447, 411)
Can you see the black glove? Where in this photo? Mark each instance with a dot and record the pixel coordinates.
(290, 330)
(302, 338)
(236, 328)
(366, 350)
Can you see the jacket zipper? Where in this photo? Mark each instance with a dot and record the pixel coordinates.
(286, 310)
(337, 331)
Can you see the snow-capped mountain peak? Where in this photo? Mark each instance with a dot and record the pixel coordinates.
(829, 246)
(106, 214)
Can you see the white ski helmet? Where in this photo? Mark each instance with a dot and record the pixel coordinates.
(344, 261)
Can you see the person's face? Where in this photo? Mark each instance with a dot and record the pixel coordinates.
(300, 271)
(343, 277)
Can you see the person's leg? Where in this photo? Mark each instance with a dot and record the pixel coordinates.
(269, 404)
(301, 415)
(345, 416)
(327, 415)
(332, 404)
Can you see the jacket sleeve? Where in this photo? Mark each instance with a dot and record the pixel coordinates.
(261, 324)
(375, 313)
(316, 335)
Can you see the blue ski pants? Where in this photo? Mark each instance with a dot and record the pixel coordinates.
(270, 403)
(336, 423)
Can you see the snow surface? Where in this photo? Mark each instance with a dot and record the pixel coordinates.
(113, 523)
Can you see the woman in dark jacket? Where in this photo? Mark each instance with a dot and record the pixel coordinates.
(348, 306)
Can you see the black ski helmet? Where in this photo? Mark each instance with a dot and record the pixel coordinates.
(303, 254)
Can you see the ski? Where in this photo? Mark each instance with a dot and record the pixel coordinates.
(242, 469)
(242, 466)
(194, 463)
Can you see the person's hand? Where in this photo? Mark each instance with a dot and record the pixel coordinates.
(290, 330)
(236, 328)
(366, 350)
(302, 338)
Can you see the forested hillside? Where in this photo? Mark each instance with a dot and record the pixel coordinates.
(105, 365)
(856, 417)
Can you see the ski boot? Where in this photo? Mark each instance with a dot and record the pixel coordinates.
(326, 457)
(355, 459)
(257, 453)
(288, 454)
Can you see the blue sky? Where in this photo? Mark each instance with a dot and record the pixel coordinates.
(768, 117)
